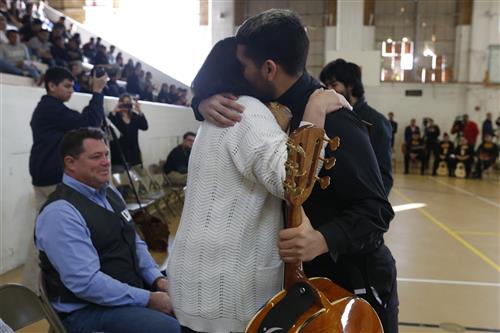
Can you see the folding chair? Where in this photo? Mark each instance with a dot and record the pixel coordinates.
(21, 307)
(56, 326)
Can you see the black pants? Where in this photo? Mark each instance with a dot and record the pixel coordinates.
(420, 157)
(482, 165)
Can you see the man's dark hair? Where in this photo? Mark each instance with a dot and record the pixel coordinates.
(221, 72)
(11, 31)
(57, 75)
(278, 35)
(72, 142)
(187, 134)
(345, 72)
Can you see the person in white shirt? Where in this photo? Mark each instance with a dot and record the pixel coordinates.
(225, 263)
(16, 54)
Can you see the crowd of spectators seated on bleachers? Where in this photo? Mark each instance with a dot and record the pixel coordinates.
(30, 43)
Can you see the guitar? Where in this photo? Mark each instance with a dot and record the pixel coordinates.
(314, 305)
(442, 169)
(460, 170)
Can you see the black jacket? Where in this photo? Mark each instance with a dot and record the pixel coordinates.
(380, 138)
(49, 122)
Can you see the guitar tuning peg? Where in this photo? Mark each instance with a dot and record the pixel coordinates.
(288, 187)
(300, 150)
(324, 182)
(291, 145)
(333, 143)
(328, 162)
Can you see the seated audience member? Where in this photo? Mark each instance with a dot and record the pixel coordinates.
(101, 58)
(16, 57)
(119, 60)
(112, 88)
(3, 30)
(172, 94)
(487, 153)
(89, 49)
(176, 166)
(111, 55)
(163, 94)
(127, 70)
(415, 151)
(77, 38)
(57, 31)
(39, 46)
(99, 274)
(73, 52)
(50, 121)
(76, 71)
(58, 51)
(133, 81)
(128, 119)
(443, 152)
(464, 153)
(181, 96)
(30, 29)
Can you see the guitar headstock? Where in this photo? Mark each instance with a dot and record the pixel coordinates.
(304, 150)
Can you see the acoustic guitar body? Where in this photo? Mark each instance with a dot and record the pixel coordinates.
(310, 305)
(340, 312)
(442, 169)
(460, 170)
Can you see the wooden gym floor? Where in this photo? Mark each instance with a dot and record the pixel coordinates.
(446, 241)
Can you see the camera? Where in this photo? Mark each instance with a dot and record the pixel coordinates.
(127, 106)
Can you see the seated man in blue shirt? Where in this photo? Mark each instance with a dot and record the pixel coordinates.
(97, 271)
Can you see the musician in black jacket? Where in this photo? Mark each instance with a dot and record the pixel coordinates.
(487, 153)
(464, 153)
(415, 151)
(343, 237)
(443, 153)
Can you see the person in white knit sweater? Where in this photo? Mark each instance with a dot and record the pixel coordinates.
(225, 263)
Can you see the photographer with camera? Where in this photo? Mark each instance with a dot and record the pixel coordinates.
(128, 118)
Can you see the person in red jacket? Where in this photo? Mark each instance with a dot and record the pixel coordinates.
(471, 131)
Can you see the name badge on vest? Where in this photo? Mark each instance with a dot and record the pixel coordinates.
(126, 215)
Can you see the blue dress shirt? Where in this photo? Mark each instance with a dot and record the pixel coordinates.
(61, 232)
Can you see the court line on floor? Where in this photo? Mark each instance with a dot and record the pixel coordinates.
(454, 282)
(443, 325)
(452, 233)
(477, 233)
(472, 194)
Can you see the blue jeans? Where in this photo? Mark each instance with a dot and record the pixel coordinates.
(124, 319)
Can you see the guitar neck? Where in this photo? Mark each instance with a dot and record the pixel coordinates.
(293, 271)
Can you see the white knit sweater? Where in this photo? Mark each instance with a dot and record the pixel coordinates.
(225, 263)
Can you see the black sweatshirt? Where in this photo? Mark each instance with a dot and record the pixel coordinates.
(49, 122)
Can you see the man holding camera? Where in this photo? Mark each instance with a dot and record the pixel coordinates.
(50, 121)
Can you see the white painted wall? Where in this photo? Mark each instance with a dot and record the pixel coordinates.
(462, 53)
(350, 25)
(485, 31)
(442, 102)
(221, 21)
(167, 124)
